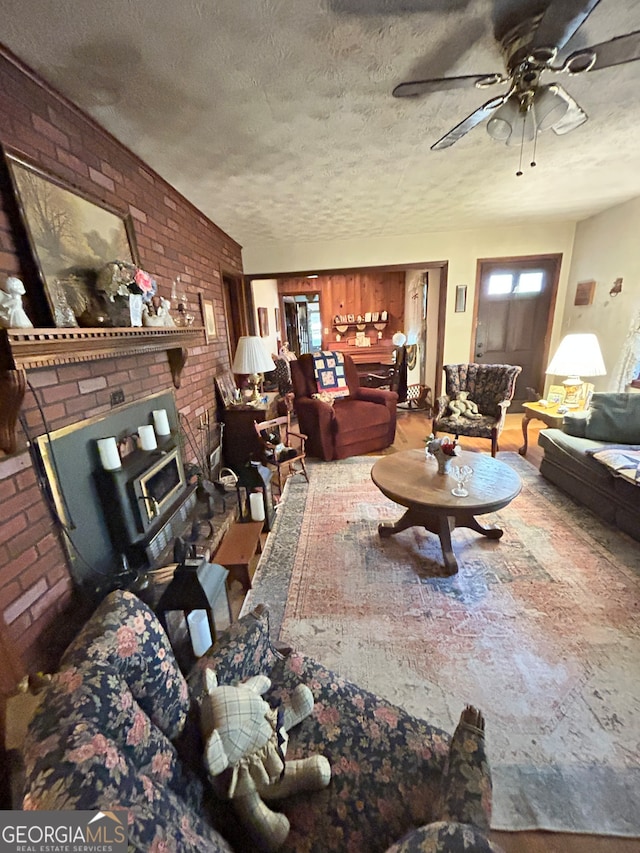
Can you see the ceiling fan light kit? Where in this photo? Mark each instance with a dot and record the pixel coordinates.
(530, 48)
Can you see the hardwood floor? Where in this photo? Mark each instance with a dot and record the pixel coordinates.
(413, 427)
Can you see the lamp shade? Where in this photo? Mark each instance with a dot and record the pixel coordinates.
(399, 339)
(251, 356)
(578, 355)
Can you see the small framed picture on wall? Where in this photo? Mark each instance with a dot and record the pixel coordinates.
(208, 318)
(585, 291)
(263, 322)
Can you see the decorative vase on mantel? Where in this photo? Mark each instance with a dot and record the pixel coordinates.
(135, 309)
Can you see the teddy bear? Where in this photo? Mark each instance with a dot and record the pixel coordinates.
(462, 406)
(245, 742)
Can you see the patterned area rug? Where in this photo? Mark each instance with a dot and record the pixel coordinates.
(540, 630)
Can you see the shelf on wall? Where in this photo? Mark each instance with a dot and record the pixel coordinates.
(28, 349)
(25, 349)
(382, 324)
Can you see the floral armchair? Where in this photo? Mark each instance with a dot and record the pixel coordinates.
(490, 386)
(117, 729)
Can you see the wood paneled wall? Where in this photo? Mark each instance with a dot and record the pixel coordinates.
(353, 293)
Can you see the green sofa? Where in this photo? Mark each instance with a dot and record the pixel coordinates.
(611, 423)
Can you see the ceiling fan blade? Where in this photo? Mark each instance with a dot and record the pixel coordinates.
(616, 51)
(442, 84)
(574, 116)
(560, 22)
(480, 115)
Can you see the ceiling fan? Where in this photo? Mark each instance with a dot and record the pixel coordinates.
(530, 49)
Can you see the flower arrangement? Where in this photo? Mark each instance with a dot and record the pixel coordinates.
(445, 445)
(443, 450)
(121, 278)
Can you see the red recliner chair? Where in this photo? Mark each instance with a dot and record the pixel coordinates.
(363, 422)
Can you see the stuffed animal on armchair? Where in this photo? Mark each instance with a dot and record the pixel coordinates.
(462, 407)
(245, 746)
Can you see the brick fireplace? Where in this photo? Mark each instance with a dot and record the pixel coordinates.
(39, 608)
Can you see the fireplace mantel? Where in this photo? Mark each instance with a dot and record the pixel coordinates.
(28, 349)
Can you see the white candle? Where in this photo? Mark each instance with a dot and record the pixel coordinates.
(147, 437)
(108, 452)
(199, 631)
(161, 422)
(256, 505)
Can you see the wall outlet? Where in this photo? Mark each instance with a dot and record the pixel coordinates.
(117, 397)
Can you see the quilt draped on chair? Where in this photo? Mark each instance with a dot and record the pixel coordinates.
(329, 372)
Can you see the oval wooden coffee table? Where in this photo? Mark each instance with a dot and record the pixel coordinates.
(411, 480)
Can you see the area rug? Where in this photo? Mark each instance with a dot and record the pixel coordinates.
(539, 629)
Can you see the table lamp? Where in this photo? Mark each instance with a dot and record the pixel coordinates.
(252, 360)
(578, 355)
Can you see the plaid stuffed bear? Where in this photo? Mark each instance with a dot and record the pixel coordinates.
(245, 745)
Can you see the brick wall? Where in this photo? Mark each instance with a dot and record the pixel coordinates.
(38, 611)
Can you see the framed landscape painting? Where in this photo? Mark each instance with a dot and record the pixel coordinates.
(71, 238)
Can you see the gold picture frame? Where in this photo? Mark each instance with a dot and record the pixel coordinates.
(71, 237)
(208, 318)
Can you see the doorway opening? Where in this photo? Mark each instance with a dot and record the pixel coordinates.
(303, 325)
(234, 295)
(339, 288)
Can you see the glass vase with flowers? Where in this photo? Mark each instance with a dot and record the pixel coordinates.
(443, 450)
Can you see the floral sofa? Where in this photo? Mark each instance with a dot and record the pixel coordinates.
(117, 729)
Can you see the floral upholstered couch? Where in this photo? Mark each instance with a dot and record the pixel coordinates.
(117, 729)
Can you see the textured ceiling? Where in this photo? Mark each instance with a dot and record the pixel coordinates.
(275, 117)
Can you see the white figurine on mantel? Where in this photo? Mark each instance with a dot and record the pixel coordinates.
(12, 314)
(156, 313)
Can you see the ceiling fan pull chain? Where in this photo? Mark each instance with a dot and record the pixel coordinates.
(519, 172)
(535, 145)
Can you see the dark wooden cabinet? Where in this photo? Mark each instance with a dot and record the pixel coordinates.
(241, 445)
(240, 442)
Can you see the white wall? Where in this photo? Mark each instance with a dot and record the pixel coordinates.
(606, 247)
(461, 249)
(265, 295)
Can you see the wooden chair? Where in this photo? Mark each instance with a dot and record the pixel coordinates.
(279, 451)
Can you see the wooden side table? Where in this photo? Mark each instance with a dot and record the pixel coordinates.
(237, 551)
(535, 412)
